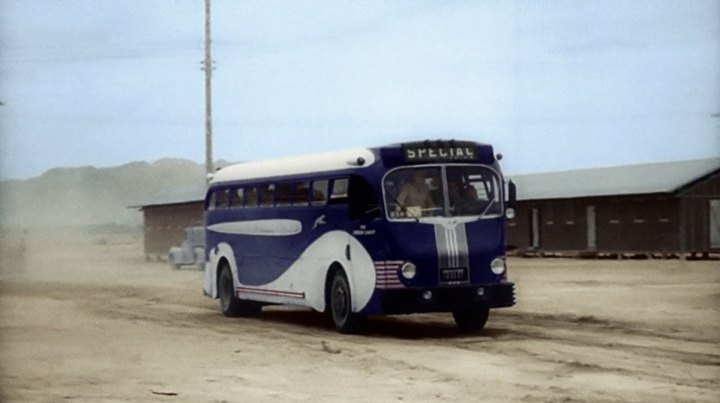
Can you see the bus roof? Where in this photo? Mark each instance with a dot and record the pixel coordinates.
(304, 164)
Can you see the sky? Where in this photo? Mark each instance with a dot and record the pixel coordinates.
(553, 85)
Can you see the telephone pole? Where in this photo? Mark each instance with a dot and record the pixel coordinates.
(208, 67)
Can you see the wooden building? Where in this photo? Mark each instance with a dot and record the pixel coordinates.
(165, 223)
(664, 208)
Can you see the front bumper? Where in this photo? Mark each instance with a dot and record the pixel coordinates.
(447, 299)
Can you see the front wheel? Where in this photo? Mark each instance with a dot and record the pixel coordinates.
(230, 305)
(471, 319)
(341, 306)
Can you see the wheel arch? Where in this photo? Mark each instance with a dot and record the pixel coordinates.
(218, 256)
(222, 263)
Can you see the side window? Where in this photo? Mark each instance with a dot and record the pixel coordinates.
(237, 198)
(267, 195)
(339, 191)
(478, 188)
(251, 197)
(283, 194)
(212, 201)
(319, 193)
(484, 187)
(301, 192)
(221, 198)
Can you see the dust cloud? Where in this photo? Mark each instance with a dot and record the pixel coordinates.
(83, 317)
(100, 198)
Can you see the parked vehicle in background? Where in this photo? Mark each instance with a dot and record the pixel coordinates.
(192, 250)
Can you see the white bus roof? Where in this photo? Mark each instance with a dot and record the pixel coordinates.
(304, 164)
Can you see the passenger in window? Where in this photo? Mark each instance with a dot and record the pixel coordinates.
(301, 194)
(251, 198)
(463, 199)
(222, 200)
(471, 193)
(320, 193)
(237, 199)
(457, 200)
(267, 197)
(435, 186)
(283, 195)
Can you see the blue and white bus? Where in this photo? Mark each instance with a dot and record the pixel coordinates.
(404, 228)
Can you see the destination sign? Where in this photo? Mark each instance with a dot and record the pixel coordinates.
(440, 152)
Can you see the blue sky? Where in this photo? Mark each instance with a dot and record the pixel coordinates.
(553, 85)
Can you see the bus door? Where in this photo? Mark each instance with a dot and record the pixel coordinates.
(365, 217)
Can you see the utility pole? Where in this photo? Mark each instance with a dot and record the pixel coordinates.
(208, 67)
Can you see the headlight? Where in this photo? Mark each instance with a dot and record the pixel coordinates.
(510, 213)
(409, 270)
(498, 266)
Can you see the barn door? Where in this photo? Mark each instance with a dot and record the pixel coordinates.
(714, 224)
(535, 228)
(591, 229)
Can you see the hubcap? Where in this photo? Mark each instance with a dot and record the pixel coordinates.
(340, 302)
(225, 291)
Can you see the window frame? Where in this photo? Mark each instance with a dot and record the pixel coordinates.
(497, 177)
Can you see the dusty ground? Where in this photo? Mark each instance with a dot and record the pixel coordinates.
(88, 320)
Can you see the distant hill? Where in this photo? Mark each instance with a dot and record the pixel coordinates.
(89, 196)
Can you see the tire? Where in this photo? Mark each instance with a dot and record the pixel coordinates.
(471, 319)
(341, 306)
(230, 305)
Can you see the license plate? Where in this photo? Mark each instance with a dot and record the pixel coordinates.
(454, 275)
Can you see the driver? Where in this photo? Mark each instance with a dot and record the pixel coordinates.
(416, 192)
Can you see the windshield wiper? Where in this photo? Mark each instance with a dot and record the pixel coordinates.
(487, 208)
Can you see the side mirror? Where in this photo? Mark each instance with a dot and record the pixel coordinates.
(512, 195)
(511, 202)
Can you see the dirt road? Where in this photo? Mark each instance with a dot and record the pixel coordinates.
(84, 318)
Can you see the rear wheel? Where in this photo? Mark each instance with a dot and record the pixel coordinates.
(471, 319)
(341, 306)
(231, 305)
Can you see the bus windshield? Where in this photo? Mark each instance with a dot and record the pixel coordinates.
(442, 191)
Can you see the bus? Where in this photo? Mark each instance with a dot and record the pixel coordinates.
(399, 229)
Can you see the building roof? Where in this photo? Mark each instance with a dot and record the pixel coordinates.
(665, 177)
(313, 163)
(166, 195)
(167, 204)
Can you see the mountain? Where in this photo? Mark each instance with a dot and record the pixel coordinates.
(90, 196)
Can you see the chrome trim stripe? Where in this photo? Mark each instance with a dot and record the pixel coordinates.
(264, 291)
(442, 245)
(463, 252)
(270, 227)
(386, 274)
(452, 246)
